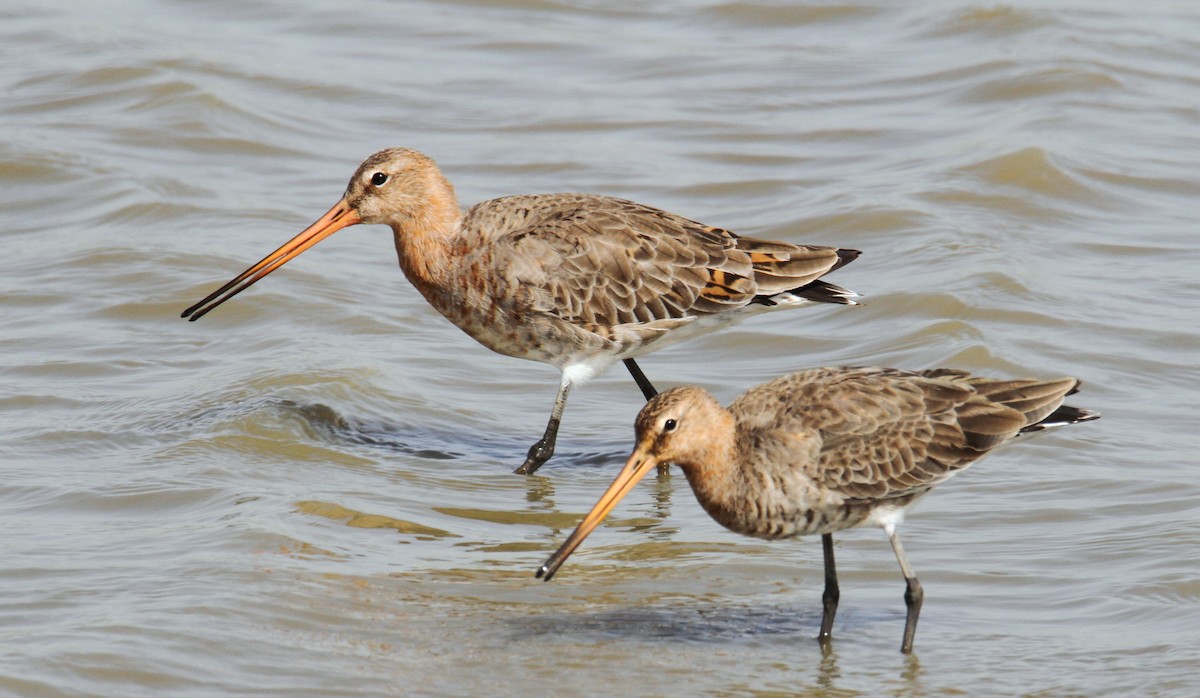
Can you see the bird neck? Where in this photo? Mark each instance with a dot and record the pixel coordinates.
(712, 466)
(428, 237)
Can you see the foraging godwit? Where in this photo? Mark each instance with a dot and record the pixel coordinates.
(573, 280)
(830, 448)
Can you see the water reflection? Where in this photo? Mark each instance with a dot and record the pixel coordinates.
(828, 671)
(358, 519)
(662, 492)
(539, 492)
(693, 624)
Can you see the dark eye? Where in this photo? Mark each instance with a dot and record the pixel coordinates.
(669, 425)
(379, 178)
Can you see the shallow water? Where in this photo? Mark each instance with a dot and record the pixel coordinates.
(309, 492)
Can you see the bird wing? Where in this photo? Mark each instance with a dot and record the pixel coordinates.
(880, 433)
(600, 261)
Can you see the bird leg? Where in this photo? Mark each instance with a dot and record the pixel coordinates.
(643, 383)
(829, 600)
(914, 595)
(541, 451)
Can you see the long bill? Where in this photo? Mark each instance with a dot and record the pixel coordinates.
(338, 217)
(640, 462)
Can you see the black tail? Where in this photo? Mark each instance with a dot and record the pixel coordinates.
(1063, 416)
(825, 292)
(844, 258)
(821, 291)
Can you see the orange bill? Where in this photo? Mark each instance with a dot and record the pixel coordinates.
(338, 217)
(640, 462)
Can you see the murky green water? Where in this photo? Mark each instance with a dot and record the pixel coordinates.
(309, 493)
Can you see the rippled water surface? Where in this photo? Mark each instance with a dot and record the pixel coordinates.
(309, 492)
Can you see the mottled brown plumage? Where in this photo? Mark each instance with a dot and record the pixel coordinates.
(574, 280)
(828, 449)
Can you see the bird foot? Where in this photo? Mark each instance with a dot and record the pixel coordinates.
(539, 453)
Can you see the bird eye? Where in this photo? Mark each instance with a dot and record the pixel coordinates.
(379, 178)
(669, 425)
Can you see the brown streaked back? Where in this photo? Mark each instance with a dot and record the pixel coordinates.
(890, 433)
(602, 261)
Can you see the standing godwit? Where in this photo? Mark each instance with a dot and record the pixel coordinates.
(573, 280)
(830, 448)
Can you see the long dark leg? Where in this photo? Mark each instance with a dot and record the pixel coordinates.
(914, 595)
(541, 451)
(829, 600)
(643, 383)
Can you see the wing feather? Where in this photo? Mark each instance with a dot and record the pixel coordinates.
(889, 433)
(601, 261)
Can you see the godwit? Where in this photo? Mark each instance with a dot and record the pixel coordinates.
(830, 448)
(573, 280)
